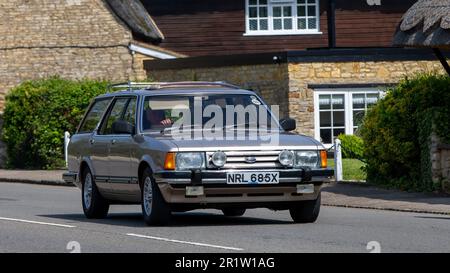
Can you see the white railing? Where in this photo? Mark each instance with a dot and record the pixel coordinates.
(338, 161)
(66, 145)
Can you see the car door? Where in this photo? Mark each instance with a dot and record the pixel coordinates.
(118, 155)
(94, 149)
(121, 152)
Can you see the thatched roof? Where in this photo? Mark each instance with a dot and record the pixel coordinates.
(134, 14)
(425, 24)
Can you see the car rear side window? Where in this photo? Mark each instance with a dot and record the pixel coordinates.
(94, 115)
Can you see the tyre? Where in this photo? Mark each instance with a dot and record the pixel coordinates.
(94, 205)
(233, 212)
(306, 211)
(154, 208)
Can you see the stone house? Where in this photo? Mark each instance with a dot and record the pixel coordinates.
(75, 39)
(325, 62)
(326, 91)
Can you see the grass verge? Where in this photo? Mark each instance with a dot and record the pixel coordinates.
(352, 168)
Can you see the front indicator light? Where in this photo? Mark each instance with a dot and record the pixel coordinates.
(324, 159)
(169, 163)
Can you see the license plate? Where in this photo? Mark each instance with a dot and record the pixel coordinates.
(253, 178)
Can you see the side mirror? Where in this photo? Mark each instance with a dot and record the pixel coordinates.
(288, 124)
(122, 127)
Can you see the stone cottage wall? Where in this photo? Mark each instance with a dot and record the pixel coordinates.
(301, 75)
(270, 80)
(139, 73)
(440, 162)
(72, 38)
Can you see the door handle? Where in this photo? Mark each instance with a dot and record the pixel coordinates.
(92, 141)
(113, 141)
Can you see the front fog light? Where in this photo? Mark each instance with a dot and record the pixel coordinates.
(305, 189)
(219, 159)
(195, 191)
(286, 158)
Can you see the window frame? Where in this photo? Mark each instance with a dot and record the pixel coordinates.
(271, 31)
(136, 99)
(107, 114)
(348, 107)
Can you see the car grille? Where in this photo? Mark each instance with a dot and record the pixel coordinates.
(248, 160)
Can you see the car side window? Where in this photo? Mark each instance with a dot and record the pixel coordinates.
(130, 112)
(93, 116)
(114, 114)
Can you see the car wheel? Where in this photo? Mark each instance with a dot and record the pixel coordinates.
(94, 205)
(306, 211)
(233, 212)
(154, 208)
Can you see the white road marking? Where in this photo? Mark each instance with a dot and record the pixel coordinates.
(184, 242)
(35, 222)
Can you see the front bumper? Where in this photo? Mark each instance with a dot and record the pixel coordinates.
(216, 190)
(218, 177)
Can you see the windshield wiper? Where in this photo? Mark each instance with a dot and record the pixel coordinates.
(238, 125)
(188, 127)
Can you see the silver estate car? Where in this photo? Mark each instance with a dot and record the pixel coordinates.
(146, 145)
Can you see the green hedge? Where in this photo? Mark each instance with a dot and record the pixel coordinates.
(37, 113)
(396, 132)
(352, 146)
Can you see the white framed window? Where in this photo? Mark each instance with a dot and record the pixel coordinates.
(341, 111)
(282, 17)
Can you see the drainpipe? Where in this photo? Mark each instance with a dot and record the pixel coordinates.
(331, 23)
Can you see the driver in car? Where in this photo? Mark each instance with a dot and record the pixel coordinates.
(154, 118)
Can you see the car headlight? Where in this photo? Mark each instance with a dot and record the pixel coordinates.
(307, 159)
(286, 158)
(219, 159)
(187, 161)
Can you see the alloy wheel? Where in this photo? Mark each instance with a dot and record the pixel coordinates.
(148, 195)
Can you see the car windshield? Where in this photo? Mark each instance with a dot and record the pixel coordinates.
(219, 111)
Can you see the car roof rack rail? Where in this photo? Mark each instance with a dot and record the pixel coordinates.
(130, 86)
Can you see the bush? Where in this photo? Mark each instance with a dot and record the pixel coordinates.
(396, 132)
(37, 113)
(352, 146)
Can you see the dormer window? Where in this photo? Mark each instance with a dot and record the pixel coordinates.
(282, 17)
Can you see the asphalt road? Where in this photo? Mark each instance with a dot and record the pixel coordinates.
(35, 218)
